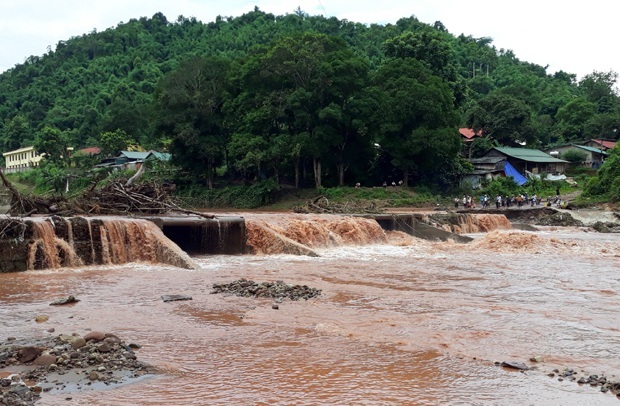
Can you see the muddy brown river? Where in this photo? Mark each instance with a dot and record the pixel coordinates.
(399, 322)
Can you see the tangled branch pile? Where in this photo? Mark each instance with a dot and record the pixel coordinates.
(116, 198)
(321, 204)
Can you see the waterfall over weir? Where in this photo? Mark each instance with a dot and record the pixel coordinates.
(54, 242)
(65, 242)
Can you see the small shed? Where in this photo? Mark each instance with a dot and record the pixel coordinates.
(485, 169)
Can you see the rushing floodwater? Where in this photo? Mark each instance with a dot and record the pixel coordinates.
(411, 322)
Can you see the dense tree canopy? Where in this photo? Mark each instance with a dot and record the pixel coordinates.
(302, 99)
(189, 109)
(418, 118)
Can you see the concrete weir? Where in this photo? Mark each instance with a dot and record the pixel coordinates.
(54, 242)
(412, 225)
(202, 236)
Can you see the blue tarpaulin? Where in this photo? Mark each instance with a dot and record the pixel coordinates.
(509, 170)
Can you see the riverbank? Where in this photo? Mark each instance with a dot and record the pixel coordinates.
(65, 363)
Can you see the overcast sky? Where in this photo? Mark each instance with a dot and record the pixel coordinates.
(577, 37)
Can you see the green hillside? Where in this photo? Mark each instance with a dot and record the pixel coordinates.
(307, 100)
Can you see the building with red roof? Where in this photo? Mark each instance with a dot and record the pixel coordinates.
(601, 144)
(468, 134)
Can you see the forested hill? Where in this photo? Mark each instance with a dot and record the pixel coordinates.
(124, 78)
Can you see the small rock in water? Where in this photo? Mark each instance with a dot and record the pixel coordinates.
(94, 335)
(515, 365)
(275, 306)
(104, 348)
(45, 360)
(173, 298)
(111, 339)
(64, 301)
(78, 342)
(537, 358)
(41, 318)
(28, 354)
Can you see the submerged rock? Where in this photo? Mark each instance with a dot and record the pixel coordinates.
(608, 227)
(561, 219)
(64, 301)
(174, 298)
(515, 365)
(42, 318)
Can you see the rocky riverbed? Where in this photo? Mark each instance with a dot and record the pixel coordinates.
(601, 382)
(65, 363)
(277, 290)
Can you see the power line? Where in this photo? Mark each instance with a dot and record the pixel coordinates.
(321, 4)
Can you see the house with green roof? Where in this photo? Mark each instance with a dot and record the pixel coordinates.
(594, 157)
(518, 163)
(133, 159)
(529, 160)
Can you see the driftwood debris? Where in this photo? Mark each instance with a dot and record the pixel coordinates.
(26, 206)
(117, 198)
(321, 204)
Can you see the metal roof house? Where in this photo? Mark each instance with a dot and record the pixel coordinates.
(529, 160)
(468, 134)
(594, 157)
(485, 169)
(133, 159)
(601, 144)
(513, 162)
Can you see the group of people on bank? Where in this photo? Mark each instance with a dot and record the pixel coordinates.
(519, 200)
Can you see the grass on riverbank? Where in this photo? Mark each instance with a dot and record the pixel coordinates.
(267, 195)
(391, 196)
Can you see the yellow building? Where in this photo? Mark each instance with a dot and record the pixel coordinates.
(21, 159)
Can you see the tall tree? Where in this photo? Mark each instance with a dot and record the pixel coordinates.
(15, 132)
(188, 107)
(600, 88)
(504, 118)
(303, 96)
(54, 144)
(432, 48)
(113, 142)
(418, 118)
